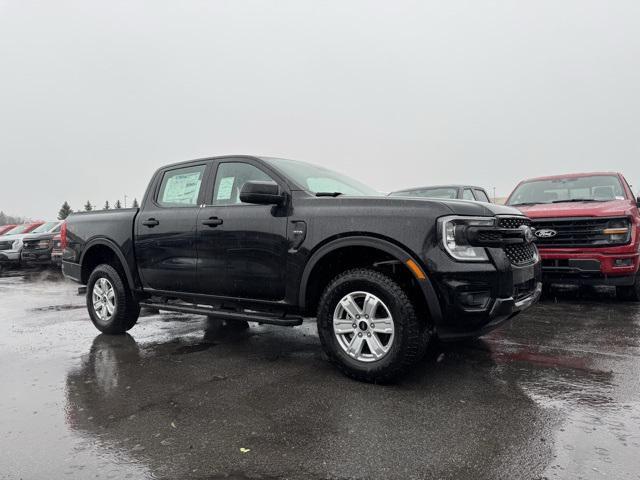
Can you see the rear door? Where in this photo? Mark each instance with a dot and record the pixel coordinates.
(242, 248)
(166, 229)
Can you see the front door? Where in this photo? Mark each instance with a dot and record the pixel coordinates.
(165, 241)
(242, 248)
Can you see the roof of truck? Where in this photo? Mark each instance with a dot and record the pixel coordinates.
(570, 175)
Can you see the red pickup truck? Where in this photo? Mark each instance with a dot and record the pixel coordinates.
(587, 227)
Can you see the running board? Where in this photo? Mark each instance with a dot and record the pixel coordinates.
(226, 315)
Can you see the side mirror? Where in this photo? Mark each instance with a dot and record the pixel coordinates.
(261, 193)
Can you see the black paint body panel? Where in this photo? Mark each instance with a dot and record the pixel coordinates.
(261, 256)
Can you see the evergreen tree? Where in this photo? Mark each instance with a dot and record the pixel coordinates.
(64, 211)
(135, 203)
(88, 207)
(3, 218)
(117, 204)
(106, 206)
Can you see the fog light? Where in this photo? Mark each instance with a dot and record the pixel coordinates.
(623, 262)
(474, 299)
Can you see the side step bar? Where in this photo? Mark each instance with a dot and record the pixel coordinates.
(226, 315)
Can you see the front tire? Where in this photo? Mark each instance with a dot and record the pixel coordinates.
(369, 328)
(112, 308)
(631, 292)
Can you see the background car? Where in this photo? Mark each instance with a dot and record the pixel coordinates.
(38, 245)
(587, 227)
(11, 242)
(462, 192)
(5, 228)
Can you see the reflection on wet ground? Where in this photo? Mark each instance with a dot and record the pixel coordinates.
(555, 394)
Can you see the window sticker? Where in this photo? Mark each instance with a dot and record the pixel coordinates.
(225, 187)
(182, 188)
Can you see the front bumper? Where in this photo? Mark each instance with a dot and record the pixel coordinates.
(476, 298)
(615, 266)
(10, 256)
(36, 256)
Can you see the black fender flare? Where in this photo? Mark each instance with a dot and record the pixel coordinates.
(112, 246)
(392, 249)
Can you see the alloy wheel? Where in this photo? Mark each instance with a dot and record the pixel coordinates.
(104, 299)
(363, 326)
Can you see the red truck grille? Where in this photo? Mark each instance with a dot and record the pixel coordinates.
(577, 232)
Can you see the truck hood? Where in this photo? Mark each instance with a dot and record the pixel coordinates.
(456, 207)
(613, 208)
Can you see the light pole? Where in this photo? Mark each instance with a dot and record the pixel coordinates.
(125, 201)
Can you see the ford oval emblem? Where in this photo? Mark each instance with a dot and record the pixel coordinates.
(545, 233)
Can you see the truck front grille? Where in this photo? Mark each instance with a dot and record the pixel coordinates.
(5, 245)
(523, 253)
(513, 222)
(574, 232)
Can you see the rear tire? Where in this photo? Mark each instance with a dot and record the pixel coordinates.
(366, 351)
(112, 308)
(629, 293)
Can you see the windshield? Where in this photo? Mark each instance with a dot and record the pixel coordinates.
(596, 188)
(318, 180)
(17, 230)
(45, 227)
(441, 192)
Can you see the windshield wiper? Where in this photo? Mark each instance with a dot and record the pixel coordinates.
(526, 203)
(578, 200)
(328, 194)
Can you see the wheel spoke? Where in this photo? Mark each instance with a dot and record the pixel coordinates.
(383, 325)
(355, 347)
(350, 306)
(110, 307)
(370, 305)
(375, 346)
(340, 326)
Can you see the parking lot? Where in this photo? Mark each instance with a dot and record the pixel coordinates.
(555, 394)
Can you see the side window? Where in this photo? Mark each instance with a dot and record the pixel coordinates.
(481, 196)
(230, 178)
(467, 194)
(181, 187)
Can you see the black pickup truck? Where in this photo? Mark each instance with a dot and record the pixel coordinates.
(270, 240)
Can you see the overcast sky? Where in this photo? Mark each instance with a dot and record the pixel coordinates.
(94, 96)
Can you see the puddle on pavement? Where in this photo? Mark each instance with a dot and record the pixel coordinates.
(555, 394)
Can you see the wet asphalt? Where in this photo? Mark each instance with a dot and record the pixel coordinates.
(553, 394)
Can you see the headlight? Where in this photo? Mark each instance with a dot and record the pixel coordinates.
(618, 231)
(454, 238)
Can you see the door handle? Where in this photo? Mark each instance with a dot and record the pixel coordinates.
(213, 222)
(152, 222)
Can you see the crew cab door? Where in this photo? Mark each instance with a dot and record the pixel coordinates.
(165, 240)
(242, 248)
